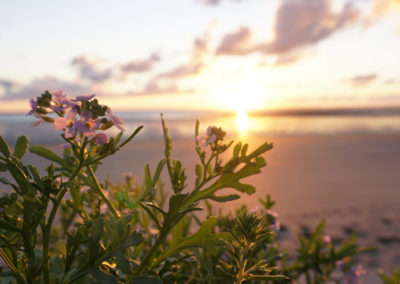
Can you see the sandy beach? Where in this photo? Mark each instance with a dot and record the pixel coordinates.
(352, 181)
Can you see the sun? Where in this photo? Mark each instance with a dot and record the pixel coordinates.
(240, 95)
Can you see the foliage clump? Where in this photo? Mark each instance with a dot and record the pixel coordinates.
(68, 227)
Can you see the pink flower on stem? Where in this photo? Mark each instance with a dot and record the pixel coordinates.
(34, 110)
(61, 101)
(205, 140)
(68, 123)
(326, 239)
(87, 125)
(101, 139)
(33, 103)
(115, 119)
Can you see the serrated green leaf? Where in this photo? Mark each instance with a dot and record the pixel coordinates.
(204, 237)
(20, 147)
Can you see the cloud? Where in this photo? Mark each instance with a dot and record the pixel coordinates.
(298, 24)
(141, 65)
(168, 81)
(391, 81)
(88, 69)
(37, 86)
(305, 22)
(235, 43)
(214, 2)
(362, 80)
(195, 63)
(7, 85)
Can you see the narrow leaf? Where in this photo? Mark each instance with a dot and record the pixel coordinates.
(4, 148)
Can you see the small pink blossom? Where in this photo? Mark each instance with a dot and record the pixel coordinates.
(327, 239)
(116, 120)
(101, 139)
(57, 181)
(33, 104)
(256, 210)
(60, 123)
(87, 125)
(206, 140)
(61, 101)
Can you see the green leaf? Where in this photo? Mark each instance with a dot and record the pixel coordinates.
(20, 147)
(267, 277)
(199, 174)
(3, 167)
(225, 198)
(4, 148)
(204, 237)
(48, 154)
(145, 280)
(103, 277)
(236, 150)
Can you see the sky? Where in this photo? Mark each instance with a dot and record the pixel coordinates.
(238, 55)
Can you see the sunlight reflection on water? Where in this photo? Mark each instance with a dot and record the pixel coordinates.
(241, 125)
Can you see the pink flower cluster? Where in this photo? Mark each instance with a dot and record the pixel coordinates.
(214, 135)
(78, 117)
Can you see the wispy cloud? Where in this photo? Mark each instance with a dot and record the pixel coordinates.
(37, 86)
(137, 66)
(168, 81)
(89, 69)
(215, 2)
(362, 80)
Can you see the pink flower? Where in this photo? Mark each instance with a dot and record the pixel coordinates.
(34, 106)
(101, 139)
(60, 123)
(206, 140)
(327, 239)
(115, 119)
(67, 123)
(87, 125)
(61, 101)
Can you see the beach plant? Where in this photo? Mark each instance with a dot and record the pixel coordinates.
(62, 225)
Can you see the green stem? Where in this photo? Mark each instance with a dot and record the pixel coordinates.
(9, 263)
(152, 251)
(47, 228)
(98, 189)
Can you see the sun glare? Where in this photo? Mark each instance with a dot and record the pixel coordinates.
(242, 121)
(240, 95)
